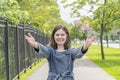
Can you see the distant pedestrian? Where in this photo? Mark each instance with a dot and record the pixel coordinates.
(59, 54)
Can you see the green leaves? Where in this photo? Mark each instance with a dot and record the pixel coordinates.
(10, 10)
(42, 14)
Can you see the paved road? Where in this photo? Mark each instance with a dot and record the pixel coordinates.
(112, 45)
(84, 69)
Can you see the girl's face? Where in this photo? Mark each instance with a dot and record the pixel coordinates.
(60, 37)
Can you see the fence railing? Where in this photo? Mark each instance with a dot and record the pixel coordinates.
(16, 55)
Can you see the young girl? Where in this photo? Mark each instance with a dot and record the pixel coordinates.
(59, 54)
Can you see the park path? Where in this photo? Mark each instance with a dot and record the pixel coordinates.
(84, 69)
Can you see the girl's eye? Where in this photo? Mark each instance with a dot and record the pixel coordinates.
(57, 34)
(62, 34)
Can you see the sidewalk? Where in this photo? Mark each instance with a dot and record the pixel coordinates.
(84, 69)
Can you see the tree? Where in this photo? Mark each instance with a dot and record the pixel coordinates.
(75, 32)
(104, 16)
(44, 15)
(41, 14)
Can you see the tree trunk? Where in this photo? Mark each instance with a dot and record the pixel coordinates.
(101, 33)
(107, 41)
(101, 38)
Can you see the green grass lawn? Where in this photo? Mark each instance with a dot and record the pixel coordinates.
(111, 64)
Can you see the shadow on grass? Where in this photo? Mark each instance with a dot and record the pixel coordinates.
(113, 55)
(85, 62)
(107, 63)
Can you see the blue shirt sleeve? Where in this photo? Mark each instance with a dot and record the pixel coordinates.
(43, 51)
(77, 52)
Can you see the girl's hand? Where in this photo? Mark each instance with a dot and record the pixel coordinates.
(88, 42)
(31, 40)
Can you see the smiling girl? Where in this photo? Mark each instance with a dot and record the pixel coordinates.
(59, 54)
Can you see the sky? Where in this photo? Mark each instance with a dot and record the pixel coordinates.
(65, 12)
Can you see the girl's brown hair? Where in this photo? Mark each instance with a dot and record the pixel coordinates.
(67, 44)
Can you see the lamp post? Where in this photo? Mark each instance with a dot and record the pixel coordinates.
(119, 37)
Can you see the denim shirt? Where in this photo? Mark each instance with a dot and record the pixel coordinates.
(60, 63)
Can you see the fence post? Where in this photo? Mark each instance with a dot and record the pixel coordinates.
(7, 51)
(16, 51)
(24, 47)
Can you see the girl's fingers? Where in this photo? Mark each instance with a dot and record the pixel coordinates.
(93, 38)
(89, 37)
(26, 37)
(29, 35)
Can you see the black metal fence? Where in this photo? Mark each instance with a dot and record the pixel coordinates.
(16, 55)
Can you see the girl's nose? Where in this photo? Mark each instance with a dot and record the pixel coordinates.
(60, 36)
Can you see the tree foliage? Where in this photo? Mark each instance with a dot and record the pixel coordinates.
(42, 14)
(104, 18)
(76, 33)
